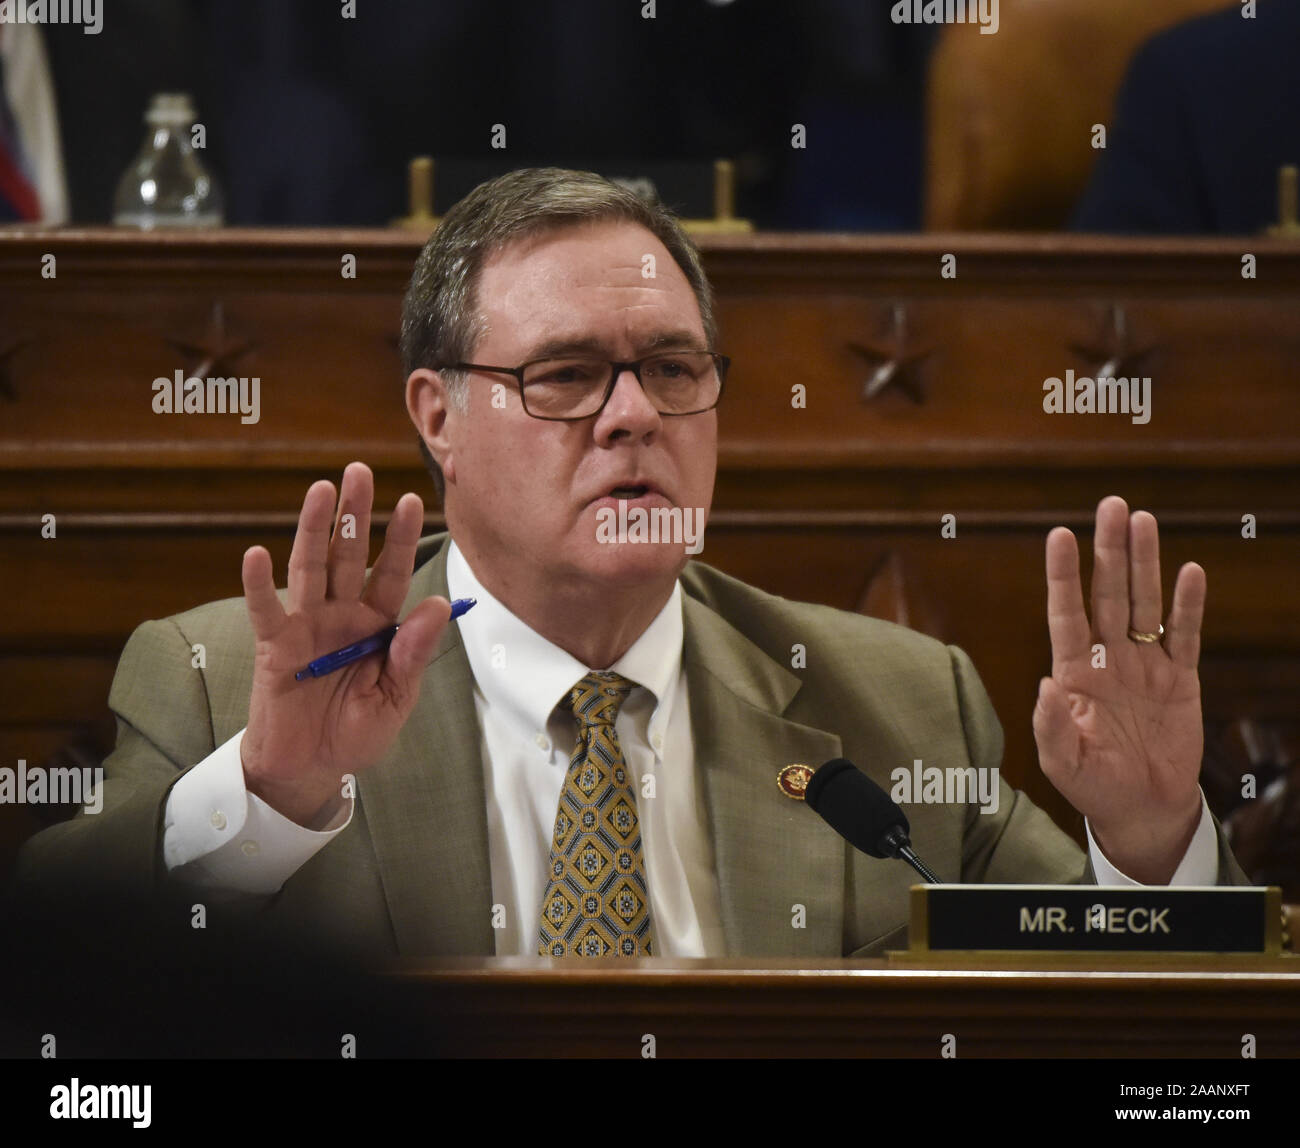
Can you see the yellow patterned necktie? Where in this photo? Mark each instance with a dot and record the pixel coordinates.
(595, 903)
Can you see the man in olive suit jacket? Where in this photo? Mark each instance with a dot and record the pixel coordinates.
(411, 874)
(405, 804)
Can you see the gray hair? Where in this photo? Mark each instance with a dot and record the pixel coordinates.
(440, 323)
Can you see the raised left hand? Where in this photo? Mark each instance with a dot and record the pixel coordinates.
(1123, 743)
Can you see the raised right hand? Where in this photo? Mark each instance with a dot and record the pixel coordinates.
(303, 736)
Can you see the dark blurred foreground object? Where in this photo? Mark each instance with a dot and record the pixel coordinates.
(1011, 116)
(187, 976)
(102, 978)
(1208, 113)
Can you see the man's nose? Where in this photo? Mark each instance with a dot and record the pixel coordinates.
(629, 410)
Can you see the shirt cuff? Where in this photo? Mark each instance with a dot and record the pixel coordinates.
(217, 834)
(1199, 866)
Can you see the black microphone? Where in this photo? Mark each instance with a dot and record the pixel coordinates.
(863, 814)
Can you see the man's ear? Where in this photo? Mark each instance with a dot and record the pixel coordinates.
(428, 405)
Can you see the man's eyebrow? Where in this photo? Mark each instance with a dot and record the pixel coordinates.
(590, 345)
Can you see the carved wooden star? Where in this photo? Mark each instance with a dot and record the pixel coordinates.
(216, 351)
(1114, 355)
(892, 362)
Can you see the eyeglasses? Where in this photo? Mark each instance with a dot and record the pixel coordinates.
(577, 387)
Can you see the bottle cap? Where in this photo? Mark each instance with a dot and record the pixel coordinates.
(170, 108)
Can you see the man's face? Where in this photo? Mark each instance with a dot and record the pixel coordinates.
(527, 498)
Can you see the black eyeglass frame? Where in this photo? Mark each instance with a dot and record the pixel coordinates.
(722, 364)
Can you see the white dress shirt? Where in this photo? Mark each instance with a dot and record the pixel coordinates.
(519, 680)
(220, 836)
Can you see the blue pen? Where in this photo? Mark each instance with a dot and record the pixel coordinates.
(328, 663)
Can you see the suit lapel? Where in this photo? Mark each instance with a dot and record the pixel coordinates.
(425, 805)
(771, 852)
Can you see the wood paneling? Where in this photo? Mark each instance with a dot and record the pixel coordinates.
(838, 500)
(1151, 1008)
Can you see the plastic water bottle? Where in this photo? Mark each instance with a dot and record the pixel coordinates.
(166, 184)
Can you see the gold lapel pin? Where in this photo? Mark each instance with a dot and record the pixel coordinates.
(794, 779)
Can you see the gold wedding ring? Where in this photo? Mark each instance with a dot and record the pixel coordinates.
(1140, 636)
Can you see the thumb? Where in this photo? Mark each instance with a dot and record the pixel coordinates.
(1058, 741)
(415, 643)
